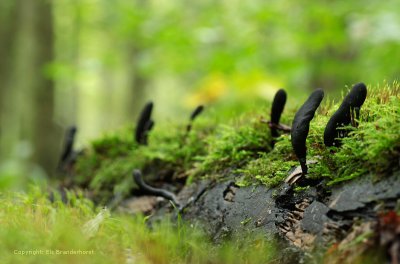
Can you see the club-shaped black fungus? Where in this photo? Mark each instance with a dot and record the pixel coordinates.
(332, 132)
(144, 124)
(196, 112)
(68, 147)
(301, 126)
(356, 99)
(348, 111)
(278, 105)
(193, 116)
(356, 96)
(149, 126)
(137, 177)
(276, 111)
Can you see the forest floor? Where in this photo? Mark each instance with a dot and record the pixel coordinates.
(236, 205)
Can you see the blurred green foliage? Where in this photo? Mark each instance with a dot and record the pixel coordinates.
(112, 56)
(299, 45)
(181, 53)
(31, 222)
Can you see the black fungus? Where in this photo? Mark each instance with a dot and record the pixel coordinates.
(199, 109)
(348, 113)
(196, 112)
(278, 105)
(69, 143)
(137, 177)
(67, 155)
(144, 124)
(332, 132)
(356, 99)
(276, 111)
(301, 126)
(149, 126)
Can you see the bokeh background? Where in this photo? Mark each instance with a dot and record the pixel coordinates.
(94, 63)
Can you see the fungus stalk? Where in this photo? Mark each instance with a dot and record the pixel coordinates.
(137, 177)
(301, 127)
(68, 154)
(199, 109)
(278, 104)
(347, 114)
(144, 124)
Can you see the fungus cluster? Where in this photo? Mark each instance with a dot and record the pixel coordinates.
(144, 124)
(301, 126)
(348, 113)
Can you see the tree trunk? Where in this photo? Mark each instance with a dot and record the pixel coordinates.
(8, 25)
(29, 101)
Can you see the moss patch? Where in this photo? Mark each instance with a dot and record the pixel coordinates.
(241, 147)
(107, 164)
(373, 147)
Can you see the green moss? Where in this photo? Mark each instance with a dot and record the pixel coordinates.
(270, 168)
(241, 147)
(107, 164)
(373, 147)
(175, 149)
(233, 146)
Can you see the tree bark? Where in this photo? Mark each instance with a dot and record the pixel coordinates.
(29, 101)
(8, 25)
